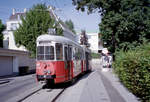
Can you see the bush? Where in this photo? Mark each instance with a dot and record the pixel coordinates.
(95, 55)
(133, 69)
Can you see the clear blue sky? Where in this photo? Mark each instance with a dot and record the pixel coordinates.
(80, 19)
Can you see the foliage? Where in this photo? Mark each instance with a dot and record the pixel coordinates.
(133, 69)
(95, 55)
(2, 27)
(70, 25)
(123, 21)
(84, 38)
(36, 22)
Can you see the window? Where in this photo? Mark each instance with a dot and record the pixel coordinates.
(66, 53)
(59, 51)
(40, 53)
(13, 26)
(45, 53)
(49, 53)
(40, 50)
(78, 54)
(70, 53)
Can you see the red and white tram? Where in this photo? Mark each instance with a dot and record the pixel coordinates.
(60, 59)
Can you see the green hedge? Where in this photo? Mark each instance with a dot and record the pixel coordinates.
(95, 55)
(133, 69)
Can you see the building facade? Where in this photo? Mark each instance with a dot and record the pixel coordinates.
(94, 41)
(12, 60)
(11, 25)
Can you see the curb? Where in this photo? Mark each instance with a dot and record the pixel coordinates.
(4, 82)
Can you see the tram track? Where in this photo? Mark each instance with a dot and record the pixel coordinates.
(30, 94)
(54, 100)
(40, 95)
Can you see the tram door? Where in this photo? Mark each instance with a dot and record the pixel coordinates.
(68, 57)
(74, 60)
(70, 60)
(87, 62)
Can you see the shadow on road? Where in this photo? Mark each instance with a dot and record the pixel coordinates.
(67, 84)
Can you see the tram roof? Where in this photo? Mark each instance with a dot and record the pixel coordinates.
(55, 38)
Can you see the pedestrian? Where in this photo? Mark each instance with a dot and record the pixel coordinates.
(106, 60)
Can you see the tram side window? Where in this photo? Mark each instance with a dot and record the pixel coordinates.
(40, 53)
(82, 54)
(49, 53)
(78, 54)
(73, 54)
(70, 53)
(59, 51)
(66, 53)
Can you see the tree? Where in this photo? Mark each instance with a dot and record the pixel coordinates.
(124, 22)
(36, 22)
(70, 25)
(2, 27)
(83, 38)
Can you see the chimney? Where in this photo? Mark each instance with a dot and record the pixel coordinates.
(13, 11)
(25, 10)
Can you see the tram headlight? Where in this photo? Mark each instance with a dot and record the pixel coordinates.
(48, 71)
(38, 65)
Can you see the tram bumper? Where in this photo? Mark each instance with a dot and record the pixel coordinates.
(42, 77)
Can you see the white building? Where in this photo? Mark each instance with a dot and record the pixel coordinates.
(12, 57)
(94, 41)
(11, 25)
(12, 60)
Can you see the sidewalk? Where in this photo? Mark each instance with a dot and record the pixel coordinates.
(111, 81)
(97, 86)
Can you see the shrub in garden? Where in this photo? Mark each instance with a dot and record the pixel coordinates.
(133, 69)
(95, 55)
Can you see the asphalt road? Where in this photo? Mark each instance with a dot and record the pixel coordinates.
(16, 86)
(97, 86)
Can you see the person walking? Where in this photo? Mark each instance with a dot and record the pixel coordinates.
(106, 60)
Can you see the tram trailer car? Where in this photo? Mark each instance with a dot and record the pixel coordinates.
(60, 59)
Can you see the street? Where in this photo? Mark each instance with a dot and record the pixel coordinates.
(95, 86)
(16, 86)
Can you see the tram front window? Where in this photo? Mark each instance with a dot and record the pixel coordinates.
(45, 53)
(59, 51)
(49, 53)
(40, 53)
